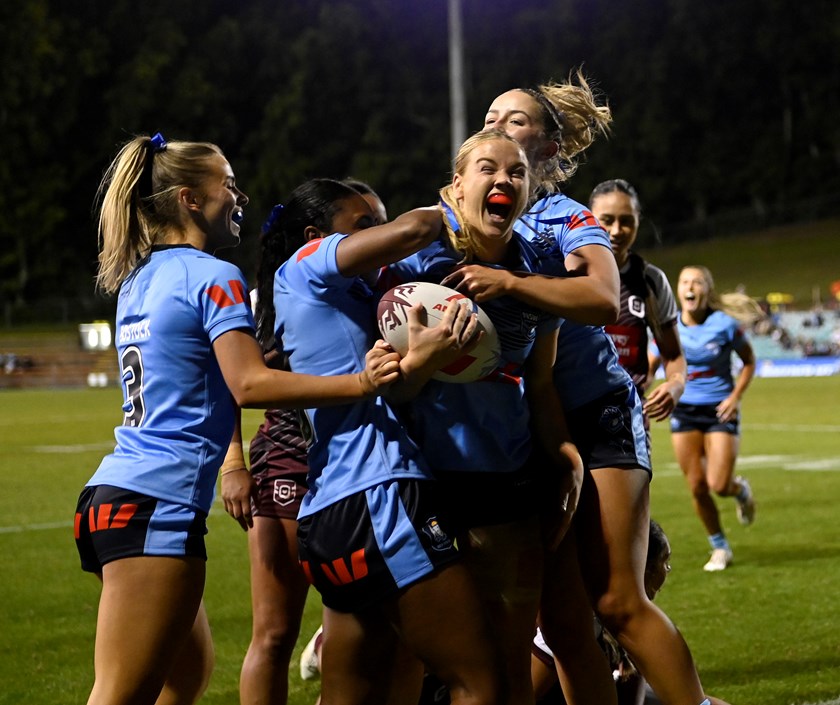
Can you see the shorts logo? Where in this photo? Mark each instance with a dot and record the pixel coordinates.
(105, 518)
(285, 492)
(611, 420)
(440, 541)
(338, 572)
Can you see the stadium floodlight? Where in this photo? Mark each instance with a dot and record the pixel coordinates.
(95, 336)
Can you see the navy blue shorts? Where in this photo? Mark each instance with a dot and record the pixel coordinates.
(114, 523)
(362, 550)
(610, 431)
(702, 417)
(475, 499)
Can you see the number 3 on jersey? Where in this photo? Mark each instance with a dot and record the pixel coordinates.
(131, 364)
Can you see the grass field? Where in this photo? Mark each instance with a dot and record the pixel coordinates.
(764, 632)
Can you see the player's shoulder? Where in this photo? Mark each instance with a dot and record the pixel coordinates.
(555, 206)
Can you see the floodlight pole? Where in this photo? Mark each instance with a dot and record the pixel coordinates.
(457, 101)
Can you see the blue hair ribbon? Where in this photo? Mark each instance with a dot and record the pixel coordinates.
(272, 217)
(158, 143)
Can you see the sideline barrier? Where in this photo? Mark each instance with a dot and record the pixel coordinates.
(803, 367)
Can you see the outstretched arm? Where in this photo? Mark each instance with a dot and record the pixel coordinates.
(372, 248)
(589, 295)
(549, 425)
(662, 400)
(254, 385)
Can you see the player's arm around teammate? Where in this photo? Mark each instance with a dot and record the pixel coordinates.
(556, 122)
(185, 342)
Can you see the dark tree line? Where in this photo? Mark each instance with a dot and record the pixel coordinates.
(718, 106)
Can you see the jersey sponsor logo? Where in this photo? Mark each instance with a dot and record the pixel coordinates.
(132, 332)
(440, 541)
(285, 492)
(222, 298)
(338, 572)
(308, 249)
(101, 520)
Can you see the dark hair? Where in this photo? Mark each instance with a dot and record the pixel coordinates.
(658, 546)
(359, 186)
(315, 203)
(614, 185)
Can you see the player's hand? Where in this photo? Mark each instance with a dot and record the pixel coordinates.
(382, 368)
(727, 410)
(561, 506)
(455, 335)
(478, 282)
(238, 487)
(661, 402)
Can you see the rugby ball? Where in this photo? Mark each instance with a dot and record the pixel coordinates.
(392, 317)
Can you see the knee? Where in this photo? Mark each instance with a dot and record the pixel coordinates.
(699, 487)
(276, 641)
(722, 487)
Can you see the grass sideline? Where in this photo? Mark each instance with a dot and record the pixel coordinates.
(763, 632)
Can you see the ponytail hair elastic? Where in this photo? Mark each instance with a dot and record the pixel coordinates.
(271, 221)
(158, 143)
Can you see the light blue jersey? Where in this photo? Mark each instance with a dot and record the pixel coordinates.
(481, 426)
(327, 322)
(178, 412)
(587, 366)
(708, 350)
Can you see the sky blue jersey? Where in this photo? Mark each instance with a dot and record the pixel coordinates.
(479, 426)
(178, 412)
(587, 366)
(326, 323)
(708, 350)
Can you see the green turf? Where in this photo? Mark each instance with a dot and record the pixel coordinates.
(763, 632)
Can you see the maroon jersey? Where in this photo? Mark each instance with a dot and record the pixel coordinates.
(642, 285)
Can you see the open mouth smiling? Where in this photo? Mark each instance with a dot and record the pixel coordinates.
(499, 206)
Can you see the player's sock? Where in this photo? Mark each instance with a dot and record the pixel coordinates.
(718, 541)
(706, 702)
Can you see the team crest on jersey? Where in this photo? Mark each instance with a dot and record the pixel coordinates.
(285, 492)
(636, 306)
(440, 541)
(611, 419)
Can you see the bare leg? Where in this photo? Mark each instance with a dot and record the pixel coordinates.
(613, 555)
(506, 562)
(278, 596)
(567, 622)
(721, 453)
(689, 449)
(190, 674)
(147, 610)
(436, 620)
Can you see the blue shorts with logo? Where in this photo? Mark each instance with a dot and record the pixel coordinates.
(112, 523)
(362, 550)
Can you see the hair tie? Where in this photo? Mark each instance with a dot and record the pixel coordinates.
(450, 216)
(158, 143)
(272, 217)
